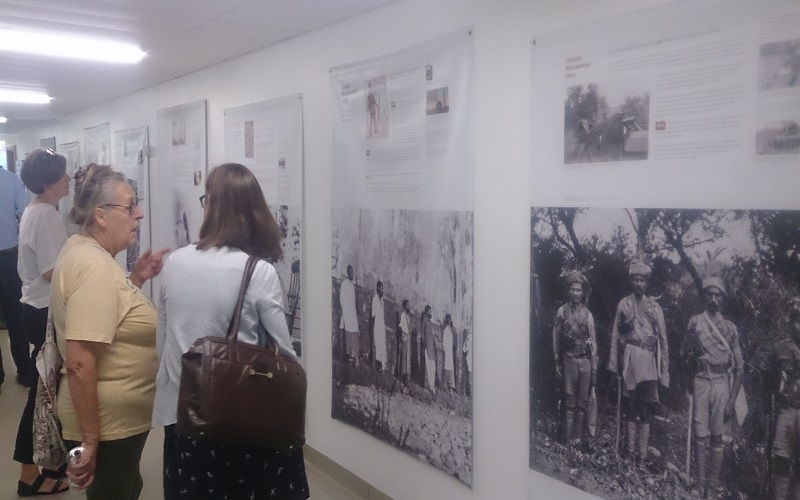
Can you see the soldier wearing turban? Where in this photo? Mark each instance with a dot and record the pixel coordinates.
(781, 369)
(712, 346)
(575, 354)
(640, 356)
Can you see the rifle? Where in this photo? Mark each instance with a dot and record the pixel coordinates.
(591, 413)
(689, 436)
(769, 429)
(619, 413)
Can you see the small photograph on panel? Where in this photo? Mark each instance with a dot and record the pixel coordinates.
(437, 101)
(181, 220)
(131, 146)
(607, 122)
(377, 101)
(778, 138)
(179, 132)
(402, 331)
(779, 64)
(665, 351)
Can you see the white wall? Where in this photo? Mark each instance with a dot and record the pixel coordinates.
(503, 30)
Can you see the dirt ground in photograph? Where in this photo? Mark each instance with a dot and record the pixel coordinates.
(597, 468)
(435, 427)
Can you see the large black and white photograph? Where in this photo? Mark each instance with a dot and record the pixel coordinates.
(607, 121)
(665, 351)
(402, 330)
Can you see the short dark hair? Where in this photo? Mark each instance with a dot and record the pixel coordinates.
(237, 214)
(42, 168)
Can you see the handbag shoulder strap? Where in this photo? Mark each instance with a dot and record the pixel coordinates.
(233, 328)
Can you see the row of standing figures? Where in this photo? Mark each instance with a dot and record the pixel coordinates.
(712, 354)
(434, 356)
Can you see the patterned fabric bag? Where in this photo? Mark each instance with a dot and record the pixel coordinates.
(49, 449)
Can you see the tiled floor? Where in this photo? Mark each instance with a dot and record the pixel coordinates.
(12, 400)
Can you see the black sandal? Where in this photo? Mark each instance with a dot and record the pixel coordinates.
(60, 473)
(29, 490)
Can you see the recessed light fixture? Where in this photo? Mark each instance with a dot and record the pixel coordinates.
(3, 119)
(24, 96)
(68, 46)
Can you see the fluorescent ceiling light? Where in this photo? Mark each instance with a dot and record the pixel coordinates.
(24, 96)
(68, 46)
(3, 119)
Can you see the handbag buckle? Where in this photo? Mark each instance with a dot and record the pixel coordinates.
(252, 372)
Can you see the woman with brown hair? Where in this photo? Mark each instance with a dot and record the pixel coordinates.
(198, 295)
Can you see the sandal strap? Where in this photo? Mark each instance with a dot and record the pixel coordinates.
(57, 487)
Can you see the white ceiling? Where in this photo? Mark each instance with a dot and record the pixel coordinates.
(179, 36)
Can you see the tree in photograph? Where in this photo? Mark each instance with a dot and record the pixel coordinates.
(777, 237)
(680, 231)
(637, 107)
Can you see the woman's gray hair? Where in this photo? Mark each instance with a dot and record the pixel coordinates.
(93, 192)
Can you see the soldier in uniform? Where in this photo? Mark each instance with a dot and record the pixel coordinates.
(712, 347)
(574, 343)
(639, 355)
(781, 371)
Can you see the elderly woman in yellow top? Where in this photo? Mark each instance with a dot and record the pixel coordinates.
(105, 327)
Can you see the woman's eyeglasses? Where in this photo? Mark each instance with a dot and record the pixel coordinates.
(129, 207)
(203, 200)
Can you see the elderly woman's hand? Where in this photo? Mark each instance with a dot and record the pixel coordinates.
(148, 265)
(81, 474)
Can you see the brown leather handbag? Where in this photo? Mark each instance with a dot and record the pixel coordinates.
(236, 393)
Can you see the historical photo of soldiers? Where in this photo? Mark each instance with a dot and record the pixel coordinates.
(665, 351)
(607, 121)
(402, 330)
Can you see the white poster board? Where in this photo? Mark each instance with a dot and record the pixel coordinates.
(688, 114)
(402, 254)
(96, 144)
(72, 152)
(267, 138)
(130, 158)
(182, 156)
(669, 99)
